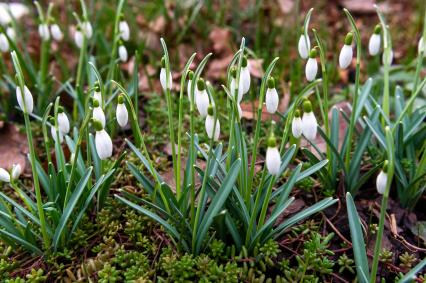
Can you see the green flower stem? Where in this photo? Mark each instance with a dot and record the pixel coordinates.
(45, 133)
(78, 80)
(45, 46)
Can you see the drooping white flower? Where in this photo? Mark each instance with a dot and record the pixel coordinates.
(103, 142)
(27, 100)
(4, 43)
(16, 171)
(382, 180)
(10, 31)
(311, 68)
(202, 98)
(421, 46)
(55, 135)
(271, 97)
(375, 41)
(121, 112)
(245, 75)
(43, 31)
(309, 122)
(56, 32)
(4, 176)
(122, 53)
(211, 127)
(78, 38)
(346, 53)
(189, 86)
(98, 113)
(87, 29)
(124, 30)
(163, 76)
(97, 93)
(390, 58)
(296, 125)
(240, 89)
(63, 122)
(304, 46)
(273, 159)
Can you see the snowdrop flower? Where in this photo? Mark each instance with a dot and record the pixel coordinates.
(43, 31)
(271, 99)
(87, 29)
(56, 32)
(4, 43)
(211, 128)
(121, 112)
(122, 53)
(309, 122)
(382, 179)
(421, 46)
(189, 86)
(304, 46)
(56, 134)
(163, 76)
(98, 113)
(202, 98)
(245, 75)
(16, 171)
(4, 176)
(233, 85)
(10, 31)
(63, 122)
(375, 41)
(311, 68)
(390, 58)
(25, 101)
(124, 30)
(97, 93)
(296, 124)
(103, 141)
(346, 53)
(78, 37)
(273, 159)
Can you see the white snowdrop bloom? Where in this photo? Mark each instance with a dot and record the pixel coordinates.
(296, 125)
(43, 31)
(4, 176)
(54, 136)
(240, 89)
(311, 68)
(98, 113)
(121, 112)
(309, 122)
(163, 76)
(202, 98)
(375, 41)
(304, 46)
(122, 53)
(4, 43)
(56, 32)
(273, 159)
(124, 30)
(421, 46)
(245, 75)
(346, 53)
(27, 100)
(16, 171)
(87, 29)
(381, 181)
(189, 86)
(10, 31)
(63, 122)
(211, 128)
(103, 142)
(78, 38)
(97, 93)
(390, 58)
(240, 112)
(271, 97)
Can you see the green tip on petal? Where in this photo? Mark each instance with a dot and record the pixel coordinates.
(190, 74)
(307, 106)
(163, 62)
(78, 28)
(121, 99)
(313, 53)
(271, 82)
(60, 109)
(52, 120)
(244, 62)
(210, 110)
(378, 29)
(272, 141)
(95, 103)
(385, 166)
(201, 84)
(297, 113)
(234, 72)
(349, 38)
(97, 125)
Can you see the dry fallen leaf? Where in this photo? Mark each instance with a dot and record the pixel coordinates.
(286, 6)
(13, 147)
(221, 37)
(256, 69)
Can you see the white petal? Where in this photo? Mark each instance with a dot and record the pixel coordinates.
(240, 89)
(345, 57)
(54, 136)
(210, 125)
(296, 127)
(163, 79)
(390, 59)
(28, 98)
(374, 44)
(11, 33)
(381, 181)
(271, 100)
(98, 114)
(103, 144)
(422, 45)
(122, 53)
(311, 69)
(4, 176)
(273, 160)
(16, 171)
(56, 32)
(124, 30)
(240, 112)
(309, 126)
(78, 38)
(202, 101)
(98, 96)
(4, 43)
(63, 123)
(122, 115)
(189, 90)
(43, 31)
(303, 49)
(245, 79)
(88, 30)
